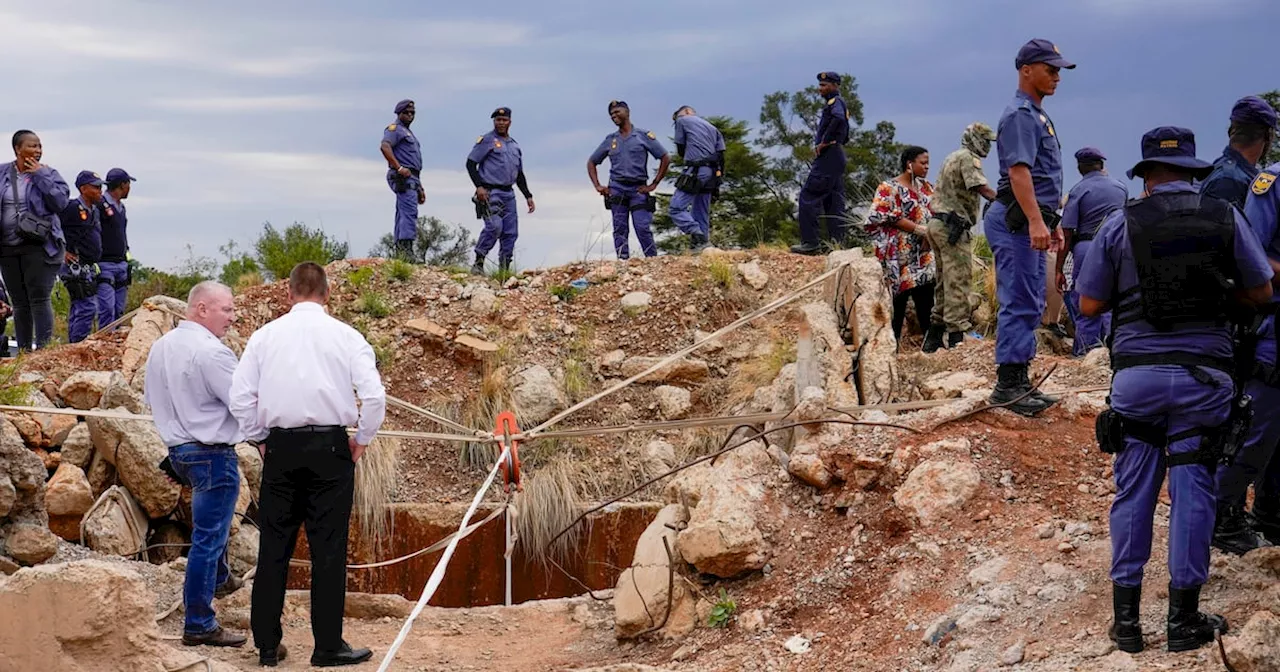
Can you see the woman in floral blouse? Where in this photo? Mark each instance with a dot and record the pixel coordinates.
(897, 227)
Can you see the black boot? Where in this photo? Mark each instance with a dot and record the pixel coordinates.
(697, 242)
(1046, 399)
(478, 267)
(1266, 520)
(1188, 628)
(933, 338)
(404, 250)
(955, 338)
(1125, 630)
(810, 249)
(1233, 533)
(504, 267)
(1012, 384)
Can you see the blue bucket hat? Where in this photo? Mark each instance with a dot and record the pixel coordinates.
(1171, 146)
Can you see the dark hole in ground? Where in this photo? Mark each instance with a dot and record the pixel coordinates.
(476, 574)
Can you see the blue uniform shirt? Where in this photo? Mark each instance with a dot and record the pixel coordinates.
(702, 140)
(115, 238)
(1262, 209)
(1026, 136)
(83, 231)
(629, 155)
(404, 145)
(833, 125)
(1109, 269)
(499, 158)
(1232, 174)
(1091, 200)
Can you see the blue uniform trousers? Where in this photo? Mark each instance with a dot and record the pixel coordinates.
(630, 205)
(1020, 287)
(1256, 462)
(112, 298)
(822, 197)
(1170, 396)
(1091, 332)
(406, 207)
(502, 225)
(692, 212)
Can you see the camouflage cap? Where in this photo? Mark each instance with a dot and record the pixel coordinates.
(981, 130)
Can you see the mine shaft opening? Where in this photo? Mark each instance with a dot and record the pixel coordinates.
(476, 575)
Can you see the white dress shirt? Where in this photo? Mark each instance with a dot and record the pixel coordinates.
(188, 386)
(300, 370)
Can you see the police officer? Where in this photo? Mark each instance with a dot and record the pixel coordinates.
(629, 192)
(1169, 265)
(701, 145)
(956, 201)
(823, 193)
(1022, 222)
(1252, 131)
(83, 230)
(114, 275)
(1257, 463)
(404, 166)
(1090, 201)
(495, 164)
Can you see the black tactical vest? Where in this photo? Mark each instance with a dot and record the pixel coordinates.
(1184, 249)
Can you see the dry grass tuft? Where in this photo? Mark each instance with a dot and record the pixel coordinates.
(761, 370)
(548, 504)
(479, 410)
(722, 272)
(377, 478)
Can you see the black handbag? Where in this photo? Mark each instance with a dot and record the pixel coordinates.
(31, 229)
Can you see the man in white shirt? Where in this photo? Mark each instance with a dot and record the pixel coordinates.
(188, 386)
(293, 392)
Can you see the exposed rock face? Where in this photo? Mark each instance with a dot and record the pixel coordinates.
(23, 521)
(1257, 647)
(681, 370)
(640, 599)
(723, 536)
(30, 544)
(242, 550)
(155, 317)
(537, 395)
(77, 449)
(250, 467)
(135, 448)
(42, 430)
(83, 390)
(874, 310)
(935, 488)
(117, 526)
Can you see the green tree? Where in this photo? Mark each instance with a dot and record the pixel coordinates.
(1273, 98)
(238, 264)
(437, 244)
(788, 122)
(279, 251)
(751, 208)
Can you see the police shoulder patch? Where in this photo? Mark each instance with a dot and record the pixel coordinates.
(977, 163)
(1262, 183)
(479, 139)
(391, 127)
(651, 135)
(831, 101)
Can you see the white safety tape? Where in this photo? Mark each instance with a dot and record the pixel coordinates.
(437, 574)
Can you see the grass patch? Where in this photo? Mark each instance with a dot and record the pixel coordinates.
(383, 351)
(399, 270)
(761, 370)
(722, 272)
(247, 280)
(565, 293)
(577, 379)
(479, 410)
(504, 275)
(722, 613)
(13, 393)
(377, 477)
(373, 304)
(360, 278)
(549, 504)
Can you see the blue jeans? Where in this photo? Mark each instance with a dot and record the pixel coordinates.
(214, 475)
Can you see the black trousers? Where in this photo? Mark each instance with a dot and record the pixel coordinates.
(922, 296)
(29, 277)
(306, 478)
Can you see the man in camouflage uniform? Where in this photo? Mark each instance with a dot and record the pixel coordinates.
(956, 202)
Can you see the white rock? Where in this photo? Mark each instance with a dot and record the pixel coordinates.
(951, 385)
(1013, 655)
(537, 395)
(673, 402)
(659, 456)
(483, 300)
(636, 302)
(935, 488)
(977, 616)
(753, 275)
(797, 644)
(612, 360)
(987, 572)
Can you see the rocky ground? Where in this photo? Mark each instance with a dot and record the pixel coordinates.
(979, 544)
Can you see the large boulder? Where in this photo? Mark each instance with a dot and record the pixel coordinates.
(537, 395)
(68, 497)
(935, 488)
(136, 450)
(242, 550)
(120, 394)
(77, 449)
(250, 467)
(155, 317)
(116, 525)
(84, 616)
(862, 287)
(723, 536)
(42, 430)
(101, 474)
(681, 370)
(805, 463)
(29, 544)
(1257, 647)
(83, 390)
(23, 521)
(952, 384)
(641, 597)
(752, 274)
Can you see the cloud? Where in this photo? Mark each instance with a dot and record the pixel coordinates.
(238, 104)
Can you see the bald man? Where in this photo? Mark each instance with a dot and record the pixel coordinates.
(188, 385)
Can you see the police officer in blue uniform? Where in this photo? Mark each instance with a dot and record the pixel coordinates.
(79, 273)
(701, 145)
(822, 196)
(1258, 461)
(404, 166)
(630, 193)
(1088, 204)
(1252, 132)
(114, 275)
(1169, 266)
(1022, 223)
(495, 164)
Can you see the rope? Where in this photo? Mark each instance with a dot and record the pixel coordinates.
(760, 312)
(434, 416)
(437, 574)
(117, 323)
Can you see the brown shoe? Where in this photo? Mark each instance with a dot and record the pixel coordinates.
(272, 657)
(232, 585)
(216, 637)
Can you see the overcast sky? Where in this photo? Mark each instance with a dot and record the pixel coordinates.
(238, 112)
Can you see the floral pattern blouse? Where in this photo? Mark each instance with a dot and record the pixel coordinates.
(906, 257)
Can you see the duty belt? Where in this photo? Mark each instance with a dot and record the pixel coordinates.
(628, 182)
(497, 187)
